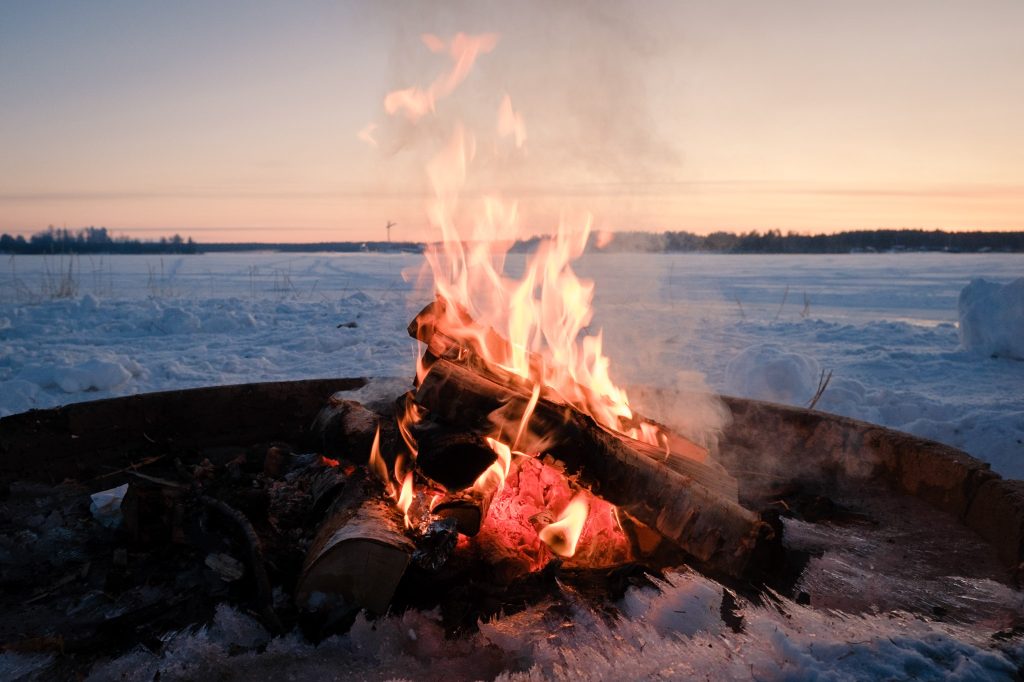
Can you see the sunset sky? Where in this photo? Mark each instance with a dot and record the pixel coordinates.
(238, 121)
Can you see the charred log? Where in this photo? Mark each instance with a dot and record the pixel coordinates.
(468, 508)
(344, 428)
(452, 458)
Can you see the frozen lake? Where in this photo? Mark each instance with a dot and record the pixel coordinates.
(761, 326)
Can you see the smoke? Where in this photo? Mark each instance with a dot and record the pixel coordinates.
(584, 76)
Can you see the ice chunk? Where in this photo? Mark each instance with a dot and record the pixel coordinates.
(992, 318)
(106, 505)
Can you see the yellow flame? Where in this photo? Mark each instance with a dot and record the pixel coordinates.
(510, 122)
(493, 477)
(405, 498)
(377, 466)
(563, 535)
(527, 413)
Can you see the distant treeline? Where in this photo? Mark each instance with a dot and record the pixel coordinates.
(335, 247)
(91, 240)
(774, 241)
(99, 240)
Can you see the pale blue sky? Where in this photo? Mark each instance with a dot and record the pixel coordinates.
(237, 120)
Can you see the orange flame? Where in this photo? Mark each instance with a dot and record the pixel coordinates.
(493, 477)
(411, 415)
(562, 535)
(510, 122)
(377, 466)
(405, 498)
(527, 413)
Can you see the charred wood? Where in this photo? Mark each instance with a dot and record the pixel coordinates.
(345, 428)
(452, 458)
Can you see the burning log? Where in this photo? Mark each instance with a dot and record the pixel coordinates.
(431, 326)
(469, 507)
(358, 555)
(452, 458)
(692, 504)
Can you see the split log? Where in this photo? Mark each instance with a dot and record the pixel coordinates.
(691, 504)
(358, 555)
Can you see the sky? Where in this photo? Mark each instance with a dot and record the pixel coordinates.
(238, 121)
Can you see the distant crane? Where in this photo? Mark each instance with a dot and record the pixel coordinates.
(388, 228)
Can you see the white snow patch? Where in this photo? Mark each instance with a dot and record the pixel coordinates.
(768, 372)
(992, 318)
(91, 375)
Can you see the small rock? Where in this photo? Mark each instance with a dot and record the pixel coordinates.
(226, 566)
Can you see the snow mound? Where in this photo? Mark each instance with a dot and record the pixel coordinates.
(992, 318)
(768, 372)
(178, 321)
(91, 375)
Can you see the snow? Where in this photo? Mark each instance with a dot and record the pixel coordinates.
(885, 325)
(763, 326)
(768, 372)
(992, 318)
(675, 634)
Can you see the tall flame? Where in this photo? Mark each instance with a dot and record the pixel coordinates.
(542, 315)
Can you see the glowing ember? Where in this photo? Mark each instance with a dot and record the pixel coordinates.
(562, 535)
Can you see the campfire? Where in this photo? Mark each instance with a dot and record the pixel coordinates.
(514, 443)
(481, 461)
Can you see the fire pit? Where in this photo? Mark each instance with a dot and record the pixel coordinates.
(861, 505)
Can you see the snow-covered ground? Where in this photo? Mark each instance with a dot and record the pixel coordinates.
(885, 325)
